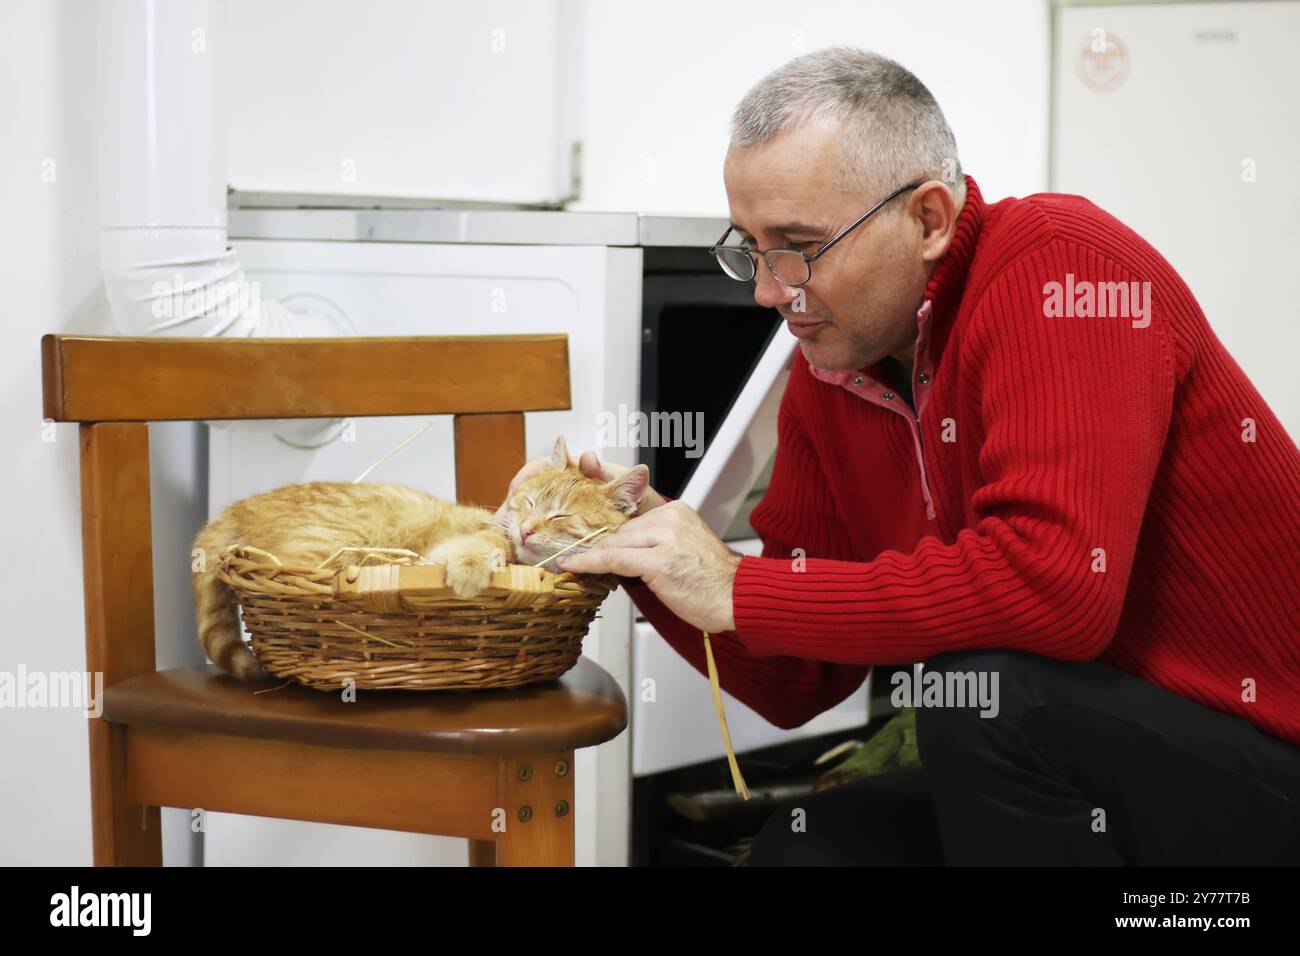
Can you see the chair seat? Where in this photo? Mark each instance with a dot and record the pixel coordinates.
(583, 708)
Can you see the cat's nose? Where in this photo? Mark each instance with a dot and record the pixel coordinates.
(524, 534)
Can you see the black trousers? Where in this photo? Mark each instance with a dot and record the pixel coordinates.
(1083, 765)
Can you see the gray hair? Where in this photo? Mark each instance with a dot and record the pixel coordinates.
(893, 129)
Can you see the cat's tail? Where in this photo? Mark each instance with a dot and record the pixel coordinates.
(217, 613)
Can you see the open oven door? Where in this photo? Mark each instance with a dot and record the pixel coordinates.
(678, 727)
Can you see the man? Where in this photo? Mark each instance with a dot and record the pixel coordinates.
(1011, 448)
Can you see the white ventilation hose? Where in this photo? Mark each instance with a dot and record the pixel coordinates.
(168, 268)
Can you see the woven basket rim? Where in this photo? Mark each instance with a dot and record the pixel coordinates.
(257, 565)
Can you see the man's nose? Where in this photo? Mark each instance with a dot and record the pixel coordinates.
(768, 292)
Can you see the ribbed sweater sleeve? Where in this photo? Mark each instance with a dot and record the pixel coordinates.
(1070, 416)
(787, 691)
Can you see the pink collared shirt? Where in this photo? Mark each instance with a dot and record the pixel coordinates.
(864, 386)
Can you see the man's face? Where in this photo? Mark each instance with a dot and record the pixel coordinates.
(860, 304)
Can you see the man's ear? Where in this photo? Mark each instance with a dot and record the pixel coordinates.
(933, 204)
(560, 454)
(627, 490)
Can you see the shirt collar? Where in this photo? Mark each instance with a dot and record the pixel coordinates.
(855, 379)
(943, 294)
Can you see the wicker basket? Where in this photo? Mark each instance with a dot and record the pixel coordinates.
(396, 626)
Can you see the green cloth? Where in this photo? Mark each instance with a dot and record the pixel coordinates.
(892, 748)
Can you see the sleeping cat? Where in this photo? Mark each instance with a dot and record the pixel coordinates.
(306, 524)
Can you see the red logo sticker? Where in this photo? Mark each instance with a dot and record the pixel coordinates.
(1103, 61)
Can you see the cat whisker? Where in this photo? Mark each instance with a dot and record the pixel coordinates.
(571, 546)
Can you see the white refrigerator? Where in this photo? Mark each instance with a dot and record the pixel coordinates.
(1183, 120)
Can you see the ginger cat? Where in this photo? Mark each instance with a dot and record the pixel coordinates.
(305, 524)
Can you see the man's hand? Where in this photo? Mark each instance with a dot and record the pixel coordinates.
(679, 558)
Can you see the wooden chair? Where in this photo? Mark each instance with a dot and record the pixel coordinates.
(195, 738)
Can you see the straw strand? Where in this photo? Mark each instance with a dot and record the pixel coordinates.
(360, 477)
(737, 780)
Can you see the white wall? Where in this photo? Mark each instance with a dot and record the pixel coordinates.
(663, 79)
(49, 259)
(49, 262)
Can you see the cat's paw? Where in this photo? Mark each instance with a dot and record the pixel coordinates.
(468, 575)
(469, 570)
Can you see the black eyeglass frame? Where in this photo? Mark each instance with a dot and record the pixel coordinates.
(807, 259)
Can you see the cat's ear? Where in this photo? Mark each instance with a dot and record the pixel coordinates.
(560, 454)
(627, 489)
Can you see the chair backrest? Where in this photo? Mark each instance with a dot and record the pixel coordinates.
(114, 386)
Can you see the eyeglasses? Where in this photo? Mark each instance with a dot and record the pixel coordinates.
(788, 266)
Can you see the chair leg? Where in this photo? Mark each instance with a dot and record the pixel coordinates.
(124, 833)
(117, 555)
(538, 791)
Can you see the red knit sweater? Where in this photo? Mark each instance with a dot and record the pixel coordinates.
(1040, 440)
